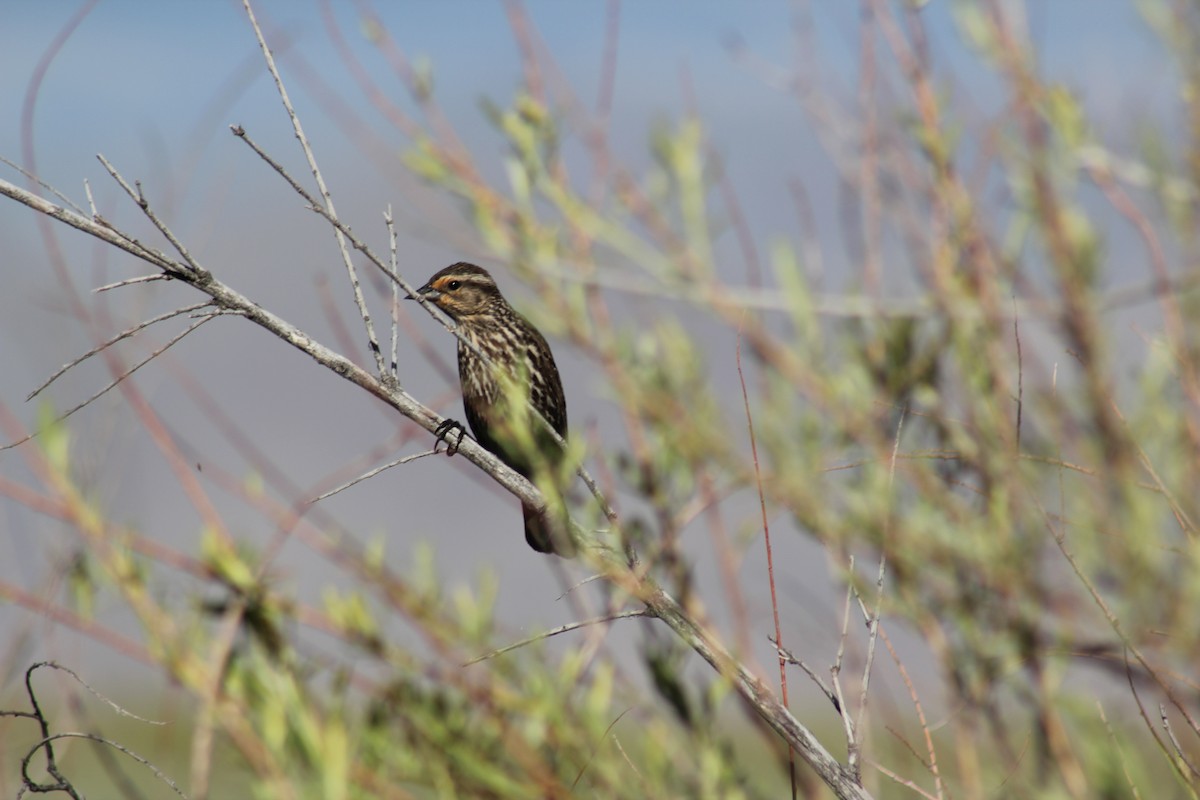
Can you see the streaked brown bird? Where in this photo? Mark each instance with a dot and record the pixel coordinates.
(469, 295)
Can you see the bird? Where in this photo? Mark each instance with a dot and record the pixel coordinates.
(517, 352)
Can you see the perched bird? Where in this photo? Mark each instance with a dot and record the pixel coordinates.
(518, 353)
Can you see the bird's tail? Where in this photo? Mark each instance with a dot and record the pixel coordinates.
(545, 537)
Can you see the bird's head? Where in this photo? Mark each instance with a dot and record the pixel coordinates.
(463, 291)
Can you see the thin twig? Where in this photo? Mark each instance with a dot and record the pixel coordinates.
(30, 176)
(836, 671)
(1020, 376)
(762, 504)
(391, 229)
(854, 752)
(1113, 621)
(158, 276)
(91, 737)
(120, 377)
(87, 190)
(579, 584)
(1120, 752)
(902, 781)
(122, 335)
(116, 707)
(572, 626)
(46, 742)
(611, 725)
(1166, 723)
(373, 473)
(916, 701)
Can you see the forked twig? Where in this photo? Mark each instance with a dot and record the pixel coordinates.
(788, 657)
(135, 192)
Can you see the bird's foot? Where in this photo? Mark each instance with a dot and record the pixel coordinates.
(442, 434)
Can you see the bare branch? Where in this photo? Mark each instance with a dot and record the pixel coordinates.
(121, 377)
(122, 335)
(144, 205)
(230, 300)
(326, 196)
(29, 175)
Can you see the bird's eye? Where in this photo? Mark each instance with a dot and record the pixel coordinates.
(452, 285)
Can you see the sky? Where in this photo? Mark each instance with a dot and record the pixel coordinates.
(155, 86)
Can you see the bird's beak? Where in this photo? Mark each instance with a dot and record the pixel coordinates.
(429, 293)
